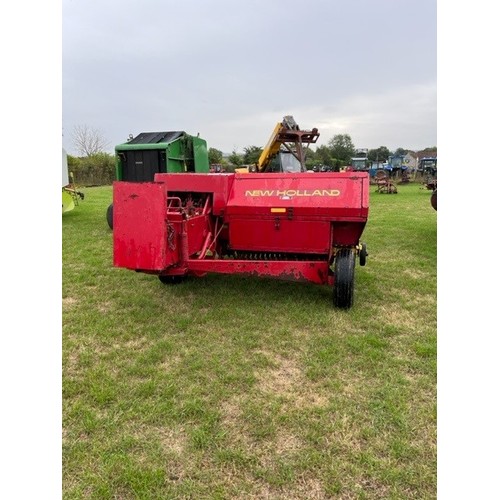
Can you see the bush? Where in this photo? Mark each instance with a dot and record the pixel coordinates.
(94, 170)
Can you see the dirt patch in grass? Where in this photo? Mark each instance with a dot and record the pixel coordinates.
(134, 344)
(231, 411)
(344, 437)
(286, 443)
(68, 302)
(306, 487)
(427, 300)
(372, 488)
(170, 362)
(415, 273)
(287, 379)
(105, 307)
(172, 440)
(71, 365)
(398, 317)
(233, 422)
(282, 380)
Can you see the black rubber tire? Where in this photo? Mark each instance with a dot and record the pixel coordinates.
(363, 254)
(171, 280)
(109, 216)
(343, 287)
(434, 199)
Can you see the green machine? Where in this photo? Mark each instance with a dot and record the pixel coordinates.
(141, 157)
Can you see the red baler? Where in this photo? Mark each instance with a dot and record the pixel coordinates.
(300, 226)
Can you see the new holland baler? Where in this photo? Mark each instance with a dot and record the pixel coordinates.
(292, 226)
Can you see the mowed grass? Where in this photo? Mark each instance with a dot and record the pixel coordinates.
(235, 387)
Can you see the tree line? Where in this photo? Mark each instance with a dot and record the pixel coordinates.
(337, 153)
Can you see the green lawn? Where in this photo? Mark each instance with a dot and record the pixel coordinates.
(235, 387)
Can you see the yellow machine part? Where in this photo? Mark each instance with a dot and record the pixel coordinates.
(67, 202)
(272, 147)
(241, 170)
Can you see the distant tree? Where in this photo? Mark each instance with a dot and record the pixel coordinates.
(379, 154)
(88, 141)
(310, 158)
(323, 156)
(73, 161)
(229, 168)
(337, 164)
(400, 152)
(431, 150)
(235, 159)
(310, 154)
(251, 155)
(214, 156)
(310, 163)
(342, 148)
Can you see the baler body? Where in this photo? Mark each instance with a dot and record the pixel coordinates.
(287, 226)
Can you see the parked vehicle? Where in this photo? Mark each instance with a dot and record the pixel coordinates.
(360, 162)
(150, 153)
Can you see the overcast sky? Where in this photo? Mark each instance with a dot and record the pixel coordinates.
(231, 70)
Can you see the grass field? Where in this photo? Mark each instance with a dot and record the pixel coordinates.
(235, 387)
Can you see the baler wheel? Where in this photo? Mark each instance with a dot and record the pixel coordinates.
(171, 280)
(363, 254)
(109, 216)
(343, 287)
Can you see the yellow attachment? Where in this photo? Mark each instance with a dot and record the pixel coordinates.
(241, 170)
(67, 202)
(272, 147)
(278, 210)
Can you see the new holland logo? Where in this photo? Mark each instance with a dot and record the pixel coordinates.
(289, 193)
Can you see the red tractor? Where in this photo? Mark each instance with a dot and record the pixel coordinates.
(292, 226)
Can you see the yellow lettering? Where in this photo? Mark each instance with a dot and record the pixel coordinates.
(334, 192)
(293, 192)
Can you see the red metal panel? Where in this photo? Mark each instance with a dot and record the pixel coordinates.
(347, 232)
(139, 227)
(197, 230)
(279, 234)
(294, 212)
(332, 196)
(313, 271)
